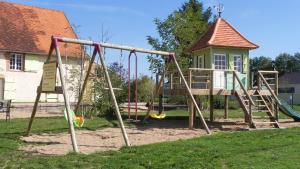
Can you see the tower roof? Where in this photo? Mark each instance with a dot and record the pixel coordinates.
(222, 34)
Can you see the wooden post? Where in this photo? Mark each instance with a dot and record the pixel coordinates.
(191, 114)
(160, 104)
(66, 98)
(249, 119)
(191, 106)
(226, 106)
(37, 99)
(171, 81)
(86, 80)
(276, 93)
(211, 97)
(113, 96)
(191, 95)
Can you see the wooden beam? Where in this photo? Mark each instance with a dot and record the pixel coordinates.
(191, 114)
(226, 98)
(191, 96)
(58, 90)
(211, 97)
(101, 55)
(66, 98)
(269, 88)
(37, 99)
(86, 79)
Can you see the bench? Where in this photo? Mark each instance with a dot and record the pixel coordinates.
(5, 106)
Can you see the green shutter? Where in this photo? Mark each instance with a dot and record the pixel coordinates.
(245, 64)
(231, 62)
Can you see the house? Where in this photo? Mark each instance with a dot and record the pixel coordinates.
(25, 36)
(289, 87)
(223, 48)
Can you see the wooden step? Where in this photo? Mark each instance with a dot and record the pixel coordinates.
(261, 117)
(264, 122)
(257, 111)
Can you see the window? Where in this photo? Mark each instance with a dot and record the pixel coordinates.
(200, 62)
(16, 61)
(238, 63)
(220, 61)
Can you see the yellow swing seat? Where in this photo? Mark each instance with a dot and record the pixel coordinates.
(156, 116)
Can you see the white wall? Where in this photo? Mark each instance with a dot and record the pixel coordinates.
(21, 86)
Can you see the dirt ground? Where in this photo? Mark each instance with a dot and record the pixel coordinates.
(111, 138)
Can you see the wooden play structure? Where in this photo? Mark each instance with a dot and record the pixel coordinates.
(48, 81)
(221, 68)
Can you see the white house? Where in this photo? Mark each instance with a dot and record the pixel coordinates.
(25, 36)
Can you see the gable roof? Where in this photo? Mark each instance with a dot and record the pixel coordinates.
(28, 29)
(222, 34)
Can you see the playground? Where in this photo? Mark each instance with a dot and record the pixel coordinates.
(202, 105)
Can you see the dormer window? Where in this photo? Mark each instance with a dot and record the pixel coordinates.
(16, 61)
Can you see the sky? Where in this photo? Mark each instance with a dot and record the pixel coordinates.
(272, 24)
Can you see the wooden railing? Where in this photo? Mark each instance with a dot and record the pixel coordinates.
(199, 78)
(262, 82)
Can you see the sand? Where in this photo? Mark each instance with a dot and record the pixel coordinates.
(111, 138)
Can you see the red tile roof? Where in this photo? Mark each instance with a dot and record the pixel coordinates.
(29, 29)
(222, 34)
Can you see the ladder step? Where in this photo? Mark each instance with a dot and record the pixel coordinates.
(257, 111)
(261, 117)
(264, 122)
(261, 105)
(258, 100)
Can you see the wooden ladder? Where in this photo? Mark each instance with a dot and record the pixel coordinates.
(262, 105)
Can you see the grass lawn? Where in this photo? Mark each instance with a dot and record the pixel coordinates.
(252, 149)
(219, 113)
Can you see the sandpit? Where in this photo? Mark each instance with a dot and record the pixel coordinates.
(111, 138)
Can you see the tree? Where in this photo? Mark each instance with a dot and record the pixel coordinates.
(261, 63)
(178, 31)
(286, 63)
(102, 100)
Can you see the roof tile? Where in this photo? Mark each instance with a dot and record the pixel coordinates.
(29, 29)
(222, 34)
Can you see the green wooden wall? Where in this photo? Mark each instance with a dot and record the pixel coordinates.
(209, 52)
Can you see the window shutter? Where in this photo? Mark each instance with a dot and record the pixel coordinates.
(231, 62)
(245, 64)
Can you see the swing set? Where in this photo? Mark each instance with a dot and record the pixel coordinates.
(98, 51)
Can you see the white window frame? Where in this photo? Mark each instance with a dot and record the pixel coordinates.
(16, 61)
(218, 62)
(238, 66)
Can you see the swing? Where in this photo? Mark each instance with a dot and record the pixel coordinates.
(78, 121)
(153, 114)
(136, 87)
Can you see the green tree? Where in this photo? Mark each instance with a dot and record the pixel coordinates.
(102, 100)
(178, 31)
(261, 63)
(286, 63)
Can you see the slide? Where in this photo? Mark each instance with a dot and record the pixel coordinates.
(288, 110)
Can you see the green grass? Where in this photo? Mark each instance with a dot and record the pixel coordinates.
(219, 113)
(252, 149)
(256, 149)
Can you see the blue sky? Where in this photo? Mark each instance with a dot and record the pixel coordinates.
(272, 24)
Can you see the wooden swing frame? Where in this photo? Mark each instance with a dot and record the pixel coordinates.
(98, 50)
